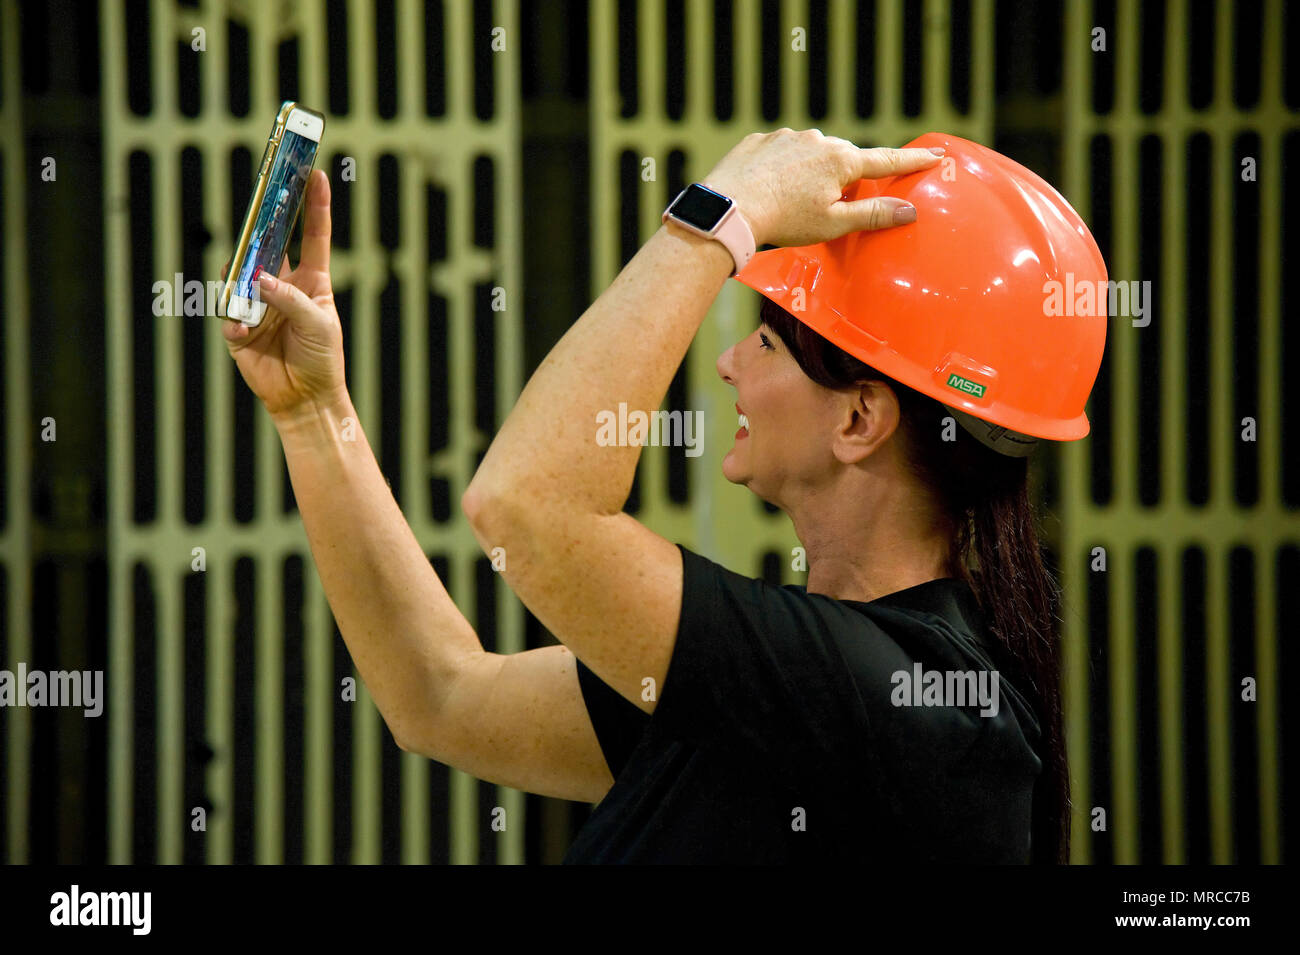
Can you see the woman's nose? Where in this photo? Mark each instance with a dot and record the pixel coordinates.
(725, 364)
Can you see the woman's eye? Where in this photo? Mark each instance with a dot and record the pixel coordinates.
(764, 339)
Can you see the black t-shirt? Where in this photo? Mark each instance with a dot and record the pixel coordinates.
(776, 738)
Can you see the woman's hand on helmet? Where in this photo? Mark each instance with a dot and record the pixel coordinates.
(789, 185)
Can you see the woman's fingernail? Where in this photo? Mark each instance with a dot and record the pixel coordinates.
(904, 214)
(267, 280)
(938, 150)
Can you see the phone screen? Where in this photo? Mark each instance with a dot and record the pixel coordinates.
(285, 186)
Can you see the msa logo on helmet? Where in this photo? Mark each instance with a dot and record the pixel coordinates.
(966, 385)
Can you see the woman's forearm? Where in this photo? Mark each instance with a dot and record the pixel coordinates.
(405, 635)
(624, 349)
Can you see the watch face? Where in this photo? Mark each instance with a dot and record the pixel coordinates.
(700, 207)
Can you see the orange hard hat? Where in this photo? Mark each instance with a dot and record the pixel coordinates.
(955, 305)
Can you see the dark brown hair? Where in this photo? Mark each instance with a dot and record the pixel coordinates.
(984, 501)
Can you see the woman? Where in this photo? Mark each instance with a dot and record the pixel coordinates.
(715, 718)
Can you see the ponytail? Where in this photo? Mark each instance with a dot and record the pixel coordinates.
(1019, 598)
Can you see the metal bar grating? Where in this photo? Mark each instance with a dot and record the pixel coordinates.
(432, 152)
(1143, 825)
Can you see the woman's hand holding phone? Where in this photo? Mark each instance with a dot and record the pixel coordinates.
(293, 360)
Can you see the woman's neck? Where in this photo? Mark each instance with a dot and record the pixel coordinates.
(862, 548)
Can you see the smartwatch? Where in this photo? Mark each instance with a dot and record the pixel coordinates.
(712, 215)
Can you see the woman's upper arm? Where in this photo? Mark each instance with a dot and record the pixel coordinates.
(520, 720)
(607, 586)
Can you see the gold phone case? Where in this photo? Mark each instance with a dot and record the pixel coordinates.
(255, 203)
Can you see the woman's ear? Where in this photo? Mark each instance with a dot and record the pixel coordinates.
(870, 416)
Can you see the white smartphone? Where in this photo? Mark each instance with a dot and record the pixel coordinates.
(272, 211)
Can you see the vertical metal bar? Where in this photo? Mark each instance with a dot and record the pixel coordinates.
(936, 72)
(1270, 438)
(509, 355)
(367, 767)
(1172, 289)
(650, 59)
(1075, 457)
(170, 749)
(652, 142)
(1170, 669)
(842, 24)
(219, 678)
(1126, 371)
(1268, 691)
(410, 259)
(268, 752)
(1173, 437)
(1218, 689)
(16, 541)
(319, 695)
(746, 18)
(120, 399)
(464, 434)
(1123, 711)
(464, 788)
(320, 698)
(1125, 260)
(702, 43)
(1222, 435)
(603, 31)
(982, 69)
(1075, 683)
(701, 55)
(889, 63)
(168, 755)
(268, 740)
(794, 64)
(219, 434)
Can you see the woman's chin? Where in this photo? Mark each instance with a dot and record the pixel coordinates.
(731, 469)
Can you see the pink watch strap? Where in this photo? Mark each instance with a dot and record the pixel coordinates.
(733, 232)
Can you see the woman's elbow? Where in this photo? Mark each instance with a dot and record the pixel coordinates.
(472, 504)
(477, 505)
(488, 509)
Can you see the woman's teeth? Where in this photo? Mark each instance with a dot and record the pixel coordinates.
(744, 422)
